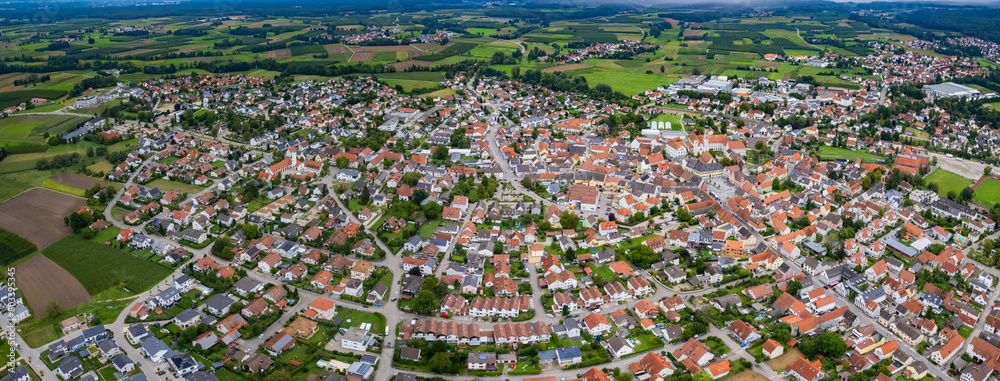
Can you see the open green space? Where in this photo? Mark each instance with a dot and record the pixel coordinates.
(100, 267)
(176, 186)
(988, 192)
(947, 181)
(833, 153)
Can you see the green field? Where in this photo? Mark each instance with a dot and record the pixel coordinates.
(674, 119)
(175, 186)
(60, 187)
(988, 192)
(833, 153)
(947, 181)
(30, 128)
(627, 82)
(99, 267)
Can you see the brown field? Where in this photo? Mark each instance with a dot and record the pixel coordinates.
(395, 48)
(565, 68)
(694, 42)
(693, 33)
(76, 180)
(748, 375)
(362, 57)
(37, 215)
(199, 59)
(768, 63)
(425, 45)
(781, 362)
(42, 280)
(439, 48)
(279, 53)
(348, 27)
(336, 48)
(406, 64)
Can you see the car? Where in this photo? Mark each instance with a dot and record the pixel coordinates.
(261, 336)
(366, 306)
(388, 344)
(394, 299)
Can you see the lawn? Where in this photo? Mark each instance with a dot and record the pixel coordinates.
(427, 229)
(674, 119)
(947, 181)
(99, 267)
(833, 153)
(40, 332)
(175, 186)
(357, 317)
(30, 128)
(988, 192)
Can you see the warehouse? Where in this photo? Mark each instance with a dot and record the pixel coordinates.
(951, 90)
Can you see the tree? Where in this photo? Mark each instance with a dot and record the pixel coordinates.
(53, 309)
(569, 220)
(987, 170)
(565, 310)
(440, 362)
(411, 178)
(623, 376)
(701, 375)
(343, 162)
(828, 344)
(366, 196)
(642, 256)
(425, 302)
(782, 333)
(793, 287)
(683, 215)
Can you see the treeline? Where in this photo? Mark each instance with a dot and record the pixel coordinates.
(92, 82)
(979, 22)
(656, 29)
(30, 79)
(272, 65)
(58, 161)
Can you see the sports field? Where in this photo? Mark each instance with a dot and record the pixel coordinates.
(833, 153)
(988, 192)
(947, 181)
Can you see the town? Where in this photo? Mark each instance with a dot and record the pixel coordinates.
(512, 226)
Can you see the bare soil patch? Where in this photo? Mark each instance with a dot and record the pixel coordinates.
(348, 27)
(749, 375)
(76, 180)
(42, 280)
(769, 64)
(279, 53)
(406, 64)
(781, 362)
(565, 67)
(336, 49)
(426, 45)
(693, 33)
(394, 48)
(37, 215)
(439, 48)
(362, 57)
(199, 59)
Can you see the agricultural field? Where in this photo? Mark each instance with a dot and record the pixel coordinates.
(31, 129)
(101, 267)
(37, 215)
(42, 281)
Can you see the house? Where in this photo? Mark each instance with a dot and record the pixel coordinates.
(279, 343)
(596, 324)
(70, 368)
(772, 349)
(694, 350)
(219, 305)
(568, 356)
(154, 349)
(744, 332)
(322, 309)
(803, 370)
(618, 346)
(357, 339)
(482, 361)
(183, 364)
(246, 286)
(654, 366)
(123, 364)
